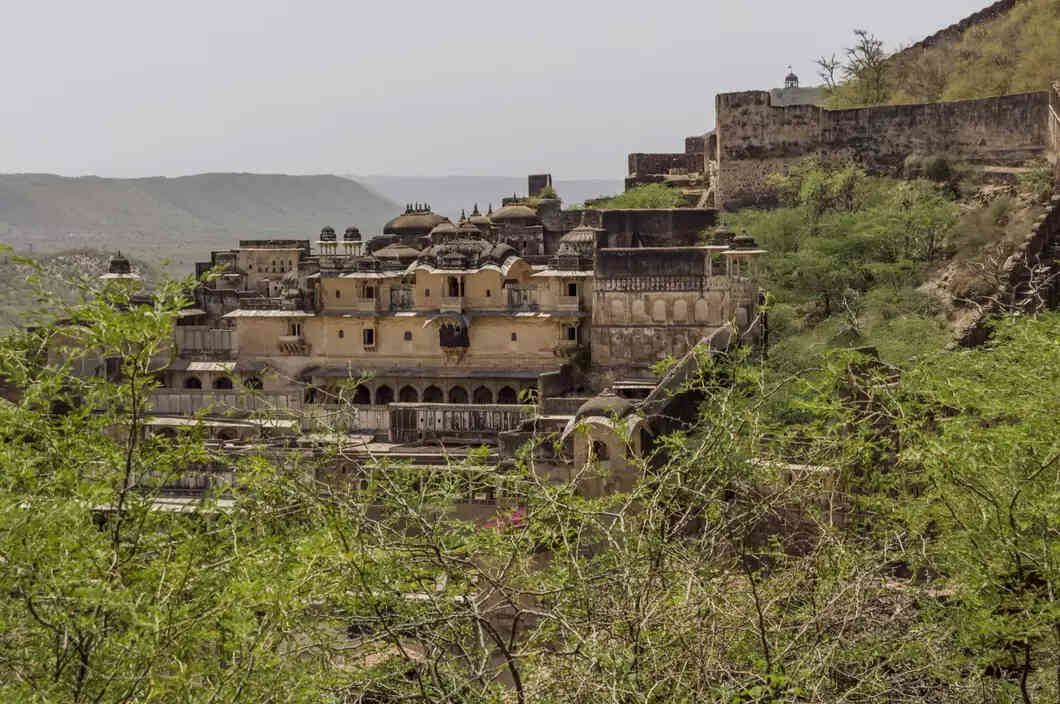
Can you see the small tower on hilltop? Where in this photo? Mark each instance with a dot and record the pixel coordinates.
(120, 272)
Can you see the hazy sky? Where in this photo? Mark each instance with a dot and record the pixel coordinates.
(146, 88)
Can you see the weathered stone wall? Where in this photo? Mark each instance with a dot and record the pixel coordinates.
(756, 139)
(678, 227)
(1030, 279)
(650, 304)
(645, 164)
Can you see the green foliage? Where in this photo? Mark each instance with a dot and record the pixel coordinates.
(1039, 181)
(652, 195)
(548, 192)
(853, 247)
(1011, 54)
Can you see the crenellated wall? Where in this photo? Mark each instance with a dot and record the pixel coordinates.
(756, 138)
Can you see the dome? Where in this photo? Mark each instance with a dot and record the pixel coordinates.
(723, 236)
(502, 251)
(744, 242)
(514, 212)
(583, 234)
(327, 234)
(445, 228)
(414, 223)
(352, 234)
(396, 251)
(479, 220)
(606, 405)
(119, 265)
(467, 228)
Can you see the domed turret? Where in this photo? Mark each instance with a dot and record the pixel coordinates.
(352, 234)
(119, 265)
(479, 220)
(791, 80)
(327, 234)
(515, 215)
(417, 221)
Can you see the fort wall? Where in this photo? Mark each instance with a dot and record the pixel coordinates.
(756, 138)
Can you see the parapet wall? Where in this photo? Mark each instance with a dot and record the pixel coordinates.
(756, 139)
(646, 164)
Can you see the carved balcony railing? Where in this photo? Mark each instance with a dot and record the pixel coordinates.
(522, 297)
(401, 298)
(452, 304)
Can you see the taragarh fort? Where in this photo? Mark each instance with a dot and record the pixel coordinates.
(530, 320)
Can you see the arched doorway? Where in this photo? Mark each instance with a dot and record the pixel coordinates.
(362, 396)
(222, 382)
(384, 395)
(483, 395)
(409, 395)
(192, 382)
(458, 394)
(432, 394)
(507, 396)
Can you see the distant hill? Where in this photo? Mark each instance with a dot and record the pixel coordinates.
(179, 218)
(449, 194)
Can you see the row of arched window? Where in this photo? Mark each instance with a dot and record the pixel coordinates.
(221, 382)
(384, 394)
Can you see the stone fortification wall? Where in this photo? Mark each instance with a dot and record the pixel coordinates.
(1030, 279)
(756, 139)
(648, 164)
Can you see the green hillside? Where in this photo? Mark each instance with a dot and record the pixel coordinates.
(179, 218)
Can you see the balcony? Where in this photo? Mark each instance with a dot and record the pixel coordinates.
(522, 297)
(292, 344)
(401, 298)
(569, 304)
(367, 305)
(452, 304)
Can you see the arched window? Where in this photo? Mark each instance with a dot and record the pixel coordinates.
(361, 396)
(507, 396)
(384, 395)
(432, 394)
(253, 383)
(408, 395)
(600, 451)
(222, 382)
(192, 382)
(483, 395)
(342, 333)
(458, 394)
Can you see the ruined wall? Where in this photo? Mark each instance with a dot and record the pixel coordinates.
(1030, 279)
(646, 164)
(756, 139)
(678, 227)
